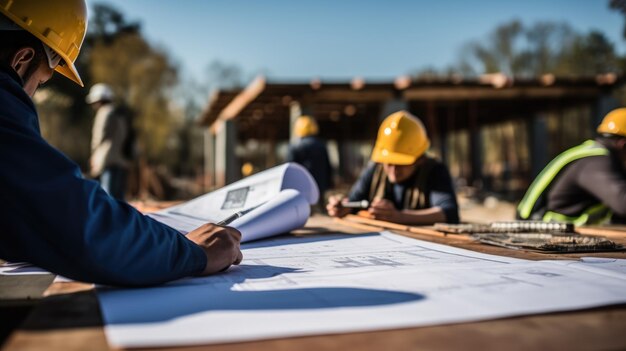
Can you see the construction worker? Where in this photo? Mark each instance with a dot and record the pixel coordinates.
(108, 163)
(310, 151)
(402, 184)
(50, 215)
(585, 184)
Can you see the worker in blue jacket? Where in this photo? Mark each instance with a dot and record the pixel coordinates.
(51, 216)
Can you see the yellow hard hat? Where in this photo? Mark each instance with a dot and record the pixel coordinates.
(305, 126)
(401, 140)
(614, 123)
(59, 24)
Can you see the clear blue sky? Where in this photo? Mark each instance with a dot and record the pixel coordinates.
(339, 39)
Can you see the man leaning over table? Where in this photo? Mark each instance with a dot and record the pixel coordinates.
(402, 184)
(51, 216)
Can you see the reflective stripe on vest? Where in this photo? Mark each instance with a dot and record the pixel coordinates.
(540, 184)
(594, 214)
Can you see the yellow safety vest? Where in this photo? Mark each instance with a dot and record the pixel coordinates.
(594, 214)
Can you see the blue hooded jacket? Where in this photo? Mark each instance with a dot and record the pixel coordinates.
(52, 217)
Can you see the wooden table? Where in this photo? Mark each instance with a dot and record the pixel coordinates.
(69, 318)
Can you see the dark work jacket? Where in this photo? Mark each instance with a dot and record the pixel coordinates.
(433, 188)
(311, 153)
(587, 182)
(53, 218)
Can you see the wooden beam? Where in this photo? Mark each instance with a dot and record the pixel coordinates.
(354, 96)
(251, 92)
(496, 94)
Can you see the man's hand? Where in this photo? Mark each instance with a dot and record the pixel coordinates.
(220, 244)
(334, 207)
(384, 210)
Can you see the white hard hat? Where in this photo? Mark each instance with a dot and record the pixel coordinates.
(99, 92)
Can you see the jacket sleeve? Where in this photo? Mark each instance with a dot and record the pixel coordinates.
(361, 189)
(442, 193)
(57, 220)
(602, 177)
(292, 153)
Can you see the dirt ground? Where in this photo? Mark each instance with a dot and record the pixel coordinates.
(488, 210)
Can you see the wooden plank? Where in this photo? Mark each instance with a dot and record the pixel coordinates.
(613, 233)
(354, 96)
(426, 230)
(357, 225)
(488, 93)
(24, 287)
(78, 339)
(67, 288)
(232, 110)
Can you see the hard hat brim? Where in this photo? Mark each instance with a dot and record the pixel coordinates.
(380, 156)
(69, 70)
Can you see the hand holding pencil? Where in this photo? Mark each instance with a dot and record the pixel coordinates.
(339, 206)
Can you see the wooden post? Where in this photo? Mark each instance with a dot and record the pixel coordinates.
(226, 163)
(295, 111)
(475, 146)
(538, 137)
(445, 132)
(209, 160)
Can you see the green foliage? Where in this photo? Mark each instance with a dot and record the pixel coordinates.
(544, 47)
(142, 76)
(619, 5)
(588, 55)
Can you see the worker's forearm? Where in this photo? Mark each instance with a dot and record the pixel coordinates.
(423, 217)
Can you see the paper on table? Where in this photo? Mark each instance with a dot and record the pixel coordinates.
(283, 195)
(602, 265)
(337, 283)
(20, 268)
(288, 210)
(612, 264)
(25, 268)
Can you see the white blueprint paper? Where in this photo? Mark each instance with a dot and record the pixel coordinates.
(25, 268)
(20, 268)
(346, 283)
(602, 265)
(281, 195)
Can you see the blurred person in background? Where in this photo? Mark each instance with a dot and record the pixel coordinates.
(51, 216)
(310, 151)
(109, 162)
(585, 184)
(402, 184)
